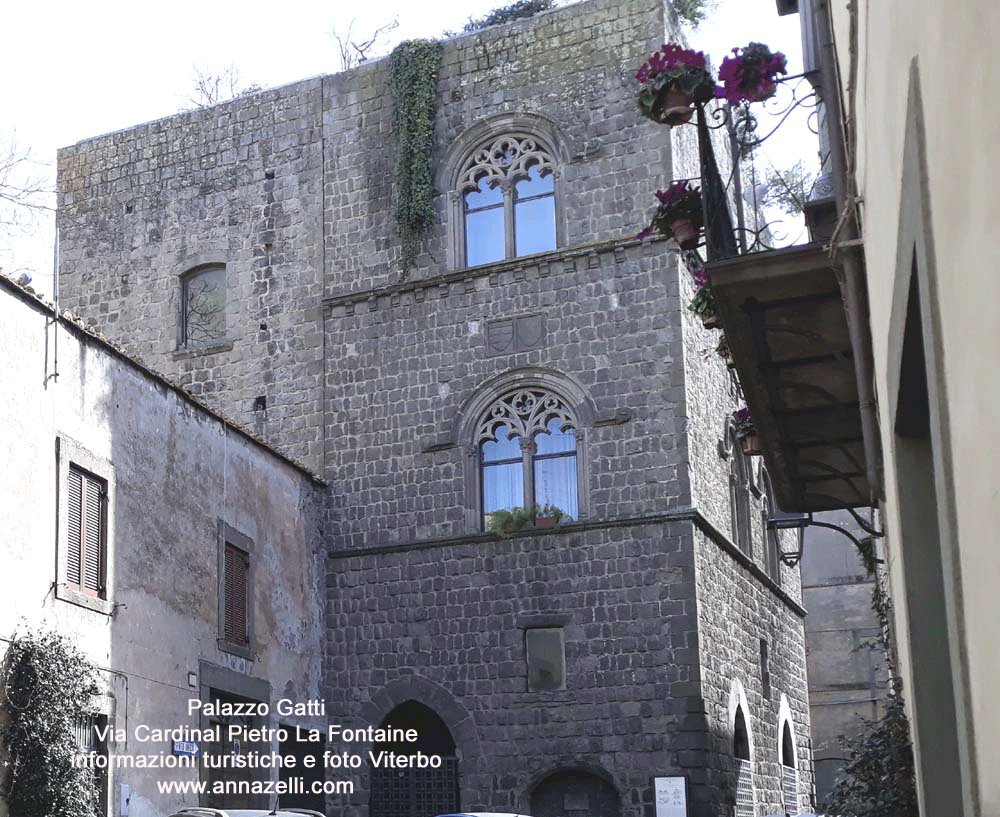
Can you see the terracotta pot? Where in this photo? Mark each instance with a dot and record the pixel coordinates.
(710, 321)
(673, 107)
(751, 445)
(765, 93)
(685, 233)
(545, 522)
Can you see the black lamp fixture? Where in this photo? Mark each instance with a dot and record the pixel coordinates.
(780, 520)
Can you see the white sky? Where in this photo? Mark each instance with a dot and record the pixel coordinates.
(75, 70)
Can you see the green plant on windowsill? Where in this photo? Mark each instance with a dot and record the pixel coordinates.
(503, 522)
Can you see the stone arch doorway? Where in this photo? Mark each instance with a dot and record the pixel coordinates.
(423, 790)
(575, 793)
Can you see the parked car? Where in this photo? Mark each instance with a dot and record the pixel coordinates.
(201, 811)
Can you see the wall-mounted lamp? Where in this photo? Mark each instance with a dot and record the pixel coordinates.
(779, 520)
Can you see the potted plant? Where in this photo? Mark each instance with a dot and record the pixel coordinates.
(679, 215)
(703, 305)
(746, 433)
(548, 516)
(750, 74)
(723, 351)
(674, 78)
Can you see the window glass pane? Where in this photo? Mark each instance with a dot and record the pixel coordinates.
(485, 196)
(555, 441)
(504, 449)
(503, 486)
(205, 307)
(555, 484)
(484, 237)
(546, 660)
(535, 225)
(535, 185)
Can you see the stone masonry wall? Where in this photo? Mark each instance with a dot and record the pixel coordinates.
(727, 593)
(240, 184)
(452, 631)
(404, 364)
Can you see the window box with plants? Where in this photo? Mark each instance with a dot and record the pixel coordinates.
(746, 433)
(674, 79)
(504, 522)
(679, 215)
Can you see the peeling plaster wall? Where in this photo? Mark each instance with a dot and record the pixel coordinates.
(177, 472)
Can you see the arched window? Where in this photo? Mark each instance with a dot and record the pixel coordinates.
(739, 493)
(789, 774)
(507, 186)
(415, 792)
(744, 768)
(203, 305)
(772, 547)
(528, 453)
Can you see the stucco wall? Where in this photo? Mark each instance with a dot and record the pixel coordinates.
(961, 147)
(177, 471)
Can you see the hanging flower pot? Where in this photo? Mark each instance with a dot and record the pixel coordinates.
(673, 107)
(710, 321)
(751, 445)
(750, 74)
(678, 215)
(685, 233)
(673, 79)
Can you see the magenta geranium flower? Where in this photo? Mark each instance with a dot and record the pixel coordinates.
(750, 74)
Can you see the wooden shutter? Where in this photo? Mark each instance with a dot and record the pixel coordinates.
(237, 570)
(85, 539)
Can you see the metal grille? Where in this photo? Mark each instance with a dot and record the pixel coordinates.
(744, 789)
(789, 789)
(415, 792)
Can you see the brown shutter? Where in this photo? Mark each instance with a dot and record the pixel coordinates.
(237, 567)
(92, 537)
(74, 533)
(86, 544)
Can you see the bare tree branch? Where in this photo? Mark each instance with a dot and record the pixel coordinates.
(212, 87)
(353, 50)
(24, 188)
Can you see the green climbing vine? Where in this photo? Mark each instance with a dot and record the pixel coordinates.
(48, 684)
(878, 778)
(413, 70)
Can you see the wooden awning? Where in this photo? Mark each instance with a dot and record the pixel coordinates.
(784, 319)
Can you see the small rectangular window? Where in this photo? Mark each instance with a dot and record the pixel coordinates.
(765, 669)
(86, 547)
(203, 295)
(546, 659)
(236, 596)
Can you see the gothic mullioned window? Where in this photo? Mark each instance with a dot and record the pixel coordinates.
(528, 453)
(507, 187)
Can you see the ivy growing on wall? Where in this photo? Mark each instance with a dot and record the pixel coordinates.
(413, 73)
(48, 684)
(506, 14)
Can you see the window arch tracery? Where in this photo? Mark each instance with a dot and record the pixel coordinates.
(508, 199)
(527, 443)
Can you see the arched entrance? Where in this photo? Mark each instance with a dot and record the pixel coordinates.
(575, 793)
(744, 768)
(415, 791)
(789, 775)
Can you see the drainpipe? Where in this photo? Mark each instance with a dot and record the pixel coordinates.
(846, 238)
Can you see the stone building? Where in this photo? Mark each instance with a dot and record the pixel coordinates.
(180, 554)
(536, 353)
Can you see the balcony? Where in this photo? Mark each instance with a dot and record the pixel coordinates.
(783, 315)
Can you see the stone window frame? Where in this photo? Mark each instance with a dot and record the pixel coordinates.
(786, 721)
(472, 413)
(230, 536)
(741, 485)
(547, 142)
(70, 453)
(194, 266)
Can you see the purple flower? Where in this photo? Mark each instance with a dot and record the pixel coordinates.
(742, 416)
(644, 234)
(700, 277)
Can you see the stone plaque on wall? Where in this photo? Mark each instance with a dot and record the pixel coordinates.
(509, 335)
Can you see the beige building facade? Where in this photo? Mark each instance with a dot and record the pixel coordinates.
(164, 496)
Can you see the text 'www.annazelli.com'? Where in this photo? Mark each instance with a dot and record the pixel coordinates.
(295, 785)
